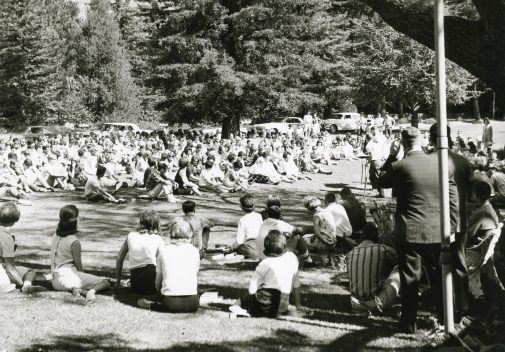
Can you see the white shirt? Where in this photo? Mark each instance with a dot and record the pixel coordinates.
(266, 226)
(278, 273)
(142, 249)
(374, 149)
(92, 185)
(248, 227)
(178, 264)
(342, 223)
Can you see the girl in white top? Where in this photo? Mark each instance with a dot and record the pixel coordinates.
(273, 280)
(176, 273)
(66, 265)
(142, 247)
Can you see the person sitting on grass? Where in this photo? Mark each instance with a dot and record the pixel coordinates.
(324, 237)
(356, 211)
(94, 190)
(274, 279)
(12, 276)
(66, 265)
(185, 186)
(55, 172)
(158, 183)
(373, 273)
(248, 229)
(481, 228)
(141, 246)
(295, 242)
(200, 226)
(34, 177)
(177, 266)
(233, 178)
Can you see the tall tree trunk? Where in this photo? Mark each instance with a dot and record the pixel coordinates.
(500, 104)
(414, 121)
(476, 108)
(493, 105)
(230, 126)
(401, 110)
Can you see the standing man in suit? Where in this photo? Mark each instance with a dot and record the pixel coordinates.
(462, 170)
(417, 224)
(487, 136)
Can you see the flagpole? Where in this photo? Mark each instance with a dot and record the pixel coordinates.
(443, 166)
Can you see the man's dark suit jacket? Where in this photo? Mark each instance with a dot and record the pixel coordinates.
(415, 179)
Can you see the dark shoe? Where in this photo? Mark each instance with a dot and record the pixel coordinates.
(407, 328)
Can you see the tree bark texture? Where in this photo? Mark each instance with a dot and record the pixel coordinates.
(477, 46)
(230, 125)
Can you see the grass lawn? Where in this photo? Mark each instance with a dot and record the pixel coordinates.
(53, 321)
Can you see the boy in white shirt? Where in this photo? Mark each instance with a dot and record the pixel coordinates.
(274, 279)
(248, 229)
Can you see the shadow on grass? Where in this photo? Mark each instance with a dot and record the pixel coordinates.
(278, 340)
(281, 339)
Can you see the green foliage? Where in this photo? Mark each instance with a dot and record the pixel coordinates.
(56, 69)
(221, 60)
(390, 68)
(109, 89)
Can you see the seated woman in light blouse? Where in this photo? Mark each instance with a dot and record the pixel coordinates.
(141, 246)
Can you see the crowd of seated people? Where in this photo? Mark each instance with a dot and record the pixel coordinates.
(167, 265)
(166, 164)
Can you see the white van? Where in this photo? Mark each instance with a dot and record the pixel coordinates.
(342, 121)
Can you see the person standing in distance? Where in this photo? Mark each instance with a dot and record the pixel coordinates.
(487, 136)
(417, 225)
(308, 121)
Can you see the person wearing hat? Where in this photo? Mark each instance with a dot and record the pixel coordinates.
(177, 266)
(417, 223)
(274, 279)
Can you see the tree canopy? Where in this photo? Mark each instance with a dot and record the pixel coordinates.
(474, 34)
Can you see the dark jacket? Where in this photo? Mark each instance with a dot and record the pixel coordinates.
(415, 179)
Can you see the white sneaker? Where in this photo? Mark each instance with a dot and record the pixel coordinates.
(33, 289)
(239, 311)
(171, 198)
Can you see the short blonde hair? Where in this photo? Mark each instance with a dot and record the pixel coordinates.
(311, 202)
(181, 229)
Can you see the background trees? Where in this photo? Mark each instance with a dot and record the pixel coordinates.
(393, 72)
(474, 29)
(216, 61)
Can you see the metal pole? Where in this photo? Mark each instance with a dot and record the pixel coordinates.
(443, 167)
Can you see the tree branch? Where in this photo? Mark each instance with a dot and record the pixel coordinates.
(470, 44)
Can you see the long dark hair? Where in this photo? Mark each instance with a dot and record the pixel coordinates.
(68, 221)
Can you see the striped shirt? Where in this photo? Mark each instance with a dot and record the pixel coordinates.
(368, 265)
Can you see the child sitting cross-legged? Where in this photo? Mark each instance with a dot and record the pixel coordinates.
(12, 276)
(274, 279)
(66, 265)
(248, 229)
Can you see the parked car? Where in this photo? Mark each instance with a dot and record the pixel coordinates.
(31, 132)
(342, 121)
(279, 125)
